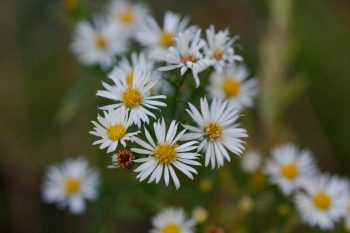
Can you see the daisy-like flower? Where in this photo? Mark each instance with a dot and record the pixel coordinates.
(112, 128)
(323, 201)
(187, 54)
(251, 162)
(98, 42)
(232, 84)
(126, 14)
(220, 48)
(172, 220)
(158, 39)
(69, 183)
(124, 158)
(288, 167)
(134, 98)
(217, 131)
(164, 154)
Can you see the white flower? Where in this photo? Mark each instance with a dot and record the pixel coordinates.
(69, 183)
(112, 128)
(172, 220)
(288, 167)
(126, 14)
(323, 201)
(158, 39)
(217, 131)
(231, 84)
(251, 162)
(134, 98)
(219, 48)
(164, 154)
(98, 43)
(187, 54)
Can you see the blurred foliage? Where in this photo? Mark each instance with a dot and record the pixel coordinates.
(38, 73)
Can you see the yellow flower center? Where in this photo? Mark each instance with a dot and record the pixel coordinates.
(72, 185)
(127, 16)
(165, 153)
(71, 5)
(131, 97)
(101, 41)
(171, 228)
(213, 131)
(231, 87)
(290, 171)
(130, 78)
(217, 54)
(166, 39)
(322, 200)
(116, 132)
(188, 58)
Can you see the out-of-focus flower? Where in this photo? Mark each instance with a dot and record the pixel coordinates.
(187, 54)
(251, 162)
(172, 220)
(199, 214)
(71, 5)
(245, 204)
(220, 48)
(232, 84)
(165, 153)
(288, 167)
(98, 43)
(217, 131)
(134, 98)
(123, 158)
(206, 185)
(69, 183)
(323, 201)
(112, 128)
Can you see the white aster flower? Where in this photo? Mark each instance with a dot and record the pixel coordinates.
(134, 98)
(187, 54)
(164, 154)
(220, 48)
(69, 183)
(251, 162)
(158, 39)
(126, 14)
(172, 220)
(217, 131)
(98, 43)
(112, 128)
(288, 167)
(323, 201)
(232, 84)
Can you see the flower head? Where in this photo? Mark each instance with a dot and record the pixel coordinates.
(69, 183)
(172, 220)
(164, 154)
(123, 158)
(217, 131)
(251, 162)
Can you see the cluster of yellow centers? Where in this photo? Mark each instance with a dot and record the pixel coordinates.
(72, 186)
(101, 41)
(131, 97)
(166, 39)
(126, 16)
(290, 171)
(213, 131)
(116, 132)
(231, 87)
(165, 153)
(217, 54)
(171, 228)
(322, 200)
(188, 58)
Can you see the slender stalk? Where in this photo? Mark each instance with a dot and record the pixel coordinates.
(175, 97)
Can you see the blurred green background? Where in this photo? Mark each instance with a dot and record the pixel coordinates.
(37, 72)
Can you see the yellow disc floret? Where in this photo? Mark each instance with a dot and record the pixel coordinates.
(290, 171)
(72, 185)
(127, 16)
(166, 39)
(231, 87)
(116, 132)
(213, 131)
(131, 97)
(171, 228)
(165, 153)
(217, 54)
(101, 41)
(322, 200)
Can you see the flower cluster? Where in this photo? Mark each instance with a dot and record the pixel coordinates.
(150, 65)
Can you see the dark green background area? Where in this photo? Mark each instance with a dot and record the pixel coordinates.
(37, 72)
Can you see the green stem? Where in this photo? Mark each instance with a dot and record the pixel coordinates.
(175, 97)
